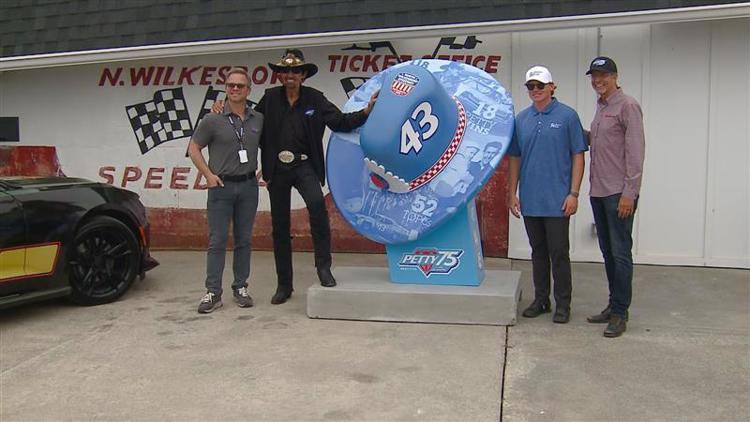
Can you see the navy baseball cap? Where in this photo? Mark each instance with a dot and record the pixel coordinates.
(602, 64)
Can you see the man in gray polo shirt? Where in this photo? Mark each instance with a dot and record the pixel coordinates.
(232, 140)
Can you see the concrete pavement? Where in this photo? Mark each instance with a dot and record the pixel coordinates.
(150, 356)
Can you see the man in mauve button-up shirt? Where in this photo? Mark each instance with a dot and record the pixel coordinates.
(617, 152)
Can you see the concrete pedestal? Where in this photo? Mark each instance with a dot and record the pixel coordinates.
(366, 293)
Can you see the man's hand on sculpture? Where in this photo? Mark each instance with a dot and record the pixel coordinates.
(371, 103)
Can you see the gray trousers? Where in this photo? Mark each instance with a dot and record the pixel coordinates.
(550, 248)
(237, 203)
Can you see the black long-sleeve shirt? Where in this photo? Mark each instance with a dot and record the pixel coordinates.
(292, 136)
(317, 113)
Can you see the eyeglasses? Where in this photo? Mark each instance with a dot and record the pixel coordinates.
(295, 70)
(238, 86)
(535, 85)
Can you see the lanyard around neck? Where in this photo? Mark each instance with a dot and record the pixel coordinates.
(239, 134)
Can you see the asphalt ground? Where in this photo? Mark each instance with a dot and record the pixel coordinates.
(151, 356)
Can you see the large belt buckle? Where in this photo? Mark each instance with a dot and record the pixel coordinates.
(286, 157)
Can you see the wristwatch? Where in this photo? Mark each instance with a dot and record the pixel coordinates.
(574, 194)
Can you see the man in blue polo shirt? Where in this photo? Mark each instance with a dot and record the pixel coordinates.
(546, 156)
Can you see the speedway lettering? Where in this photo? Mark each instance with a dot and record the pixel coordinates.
(432, 261)
(177, 178)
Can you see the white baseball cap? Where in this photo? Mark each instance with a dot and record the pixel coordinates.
(539, 73)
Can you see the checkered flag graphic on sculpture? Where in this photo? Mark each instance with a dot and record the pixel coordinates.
(212, 96)
(160, 120)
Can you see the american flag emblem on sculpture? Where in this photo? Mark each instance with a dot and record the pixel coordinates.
(403, 83)
(164, 118)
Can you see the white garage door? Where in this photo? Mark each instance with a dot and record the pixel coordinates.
(693, 82)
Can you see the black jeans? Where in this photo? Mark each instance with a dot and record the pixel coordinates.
(303, 178)
(615, 236)
(548, 238)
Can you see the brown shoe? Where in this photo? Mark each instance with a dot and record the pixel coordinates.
(616, 327)
(600, 318)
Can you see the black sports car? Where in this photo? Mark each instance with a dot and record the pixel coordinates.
(62, 236)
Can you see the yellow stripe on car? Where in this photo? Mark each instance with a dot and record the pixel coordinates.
(12, 263)
(28, 261)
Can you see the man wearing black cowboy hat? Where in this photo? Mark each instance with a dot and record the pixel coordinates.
(292, 156)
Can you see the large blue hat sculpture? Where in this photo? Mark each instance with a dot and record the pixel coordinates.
(404, 157)
(434, 137)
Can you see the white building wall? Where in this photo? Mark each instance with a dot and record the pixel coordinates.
(692, 82)
(81, 109)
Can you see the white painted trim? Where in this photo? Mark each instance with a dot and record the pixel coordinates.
(711, 150)
(725, 11)
(645, 48)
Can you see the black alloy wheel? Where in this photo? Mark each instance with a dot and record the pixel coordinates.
(103, 261)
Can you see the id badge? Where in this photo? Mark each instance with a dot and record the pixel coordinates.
(243, 156)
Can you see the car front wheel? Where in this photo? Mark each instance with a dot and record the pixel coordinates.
(103, 261)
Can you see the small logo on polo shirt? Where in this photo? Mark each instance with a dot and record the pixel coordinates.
(554, 125)
(310, 112)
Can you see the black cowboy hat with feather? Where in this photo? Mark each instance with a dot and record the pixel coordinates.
(294, 59)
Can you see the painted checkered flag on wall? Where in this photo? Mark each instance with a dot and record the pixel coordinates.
(213, 95)
(160, 120)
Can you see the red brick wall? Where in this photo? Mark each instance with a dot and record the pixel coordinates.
(29, 161)
(174, 228)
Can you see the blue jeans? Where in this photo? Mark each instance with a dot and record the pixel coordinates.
(616, 243)
(237, 203)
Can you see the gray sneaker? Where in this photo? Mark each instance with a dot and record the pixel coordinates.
(242, 298)
(209, 302)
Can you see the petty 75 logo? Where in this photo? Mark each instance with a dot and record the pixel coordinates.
(432, 261)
